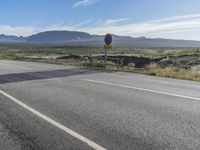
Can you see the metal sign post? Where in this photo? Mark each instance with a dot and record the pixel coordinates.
(106, 56)
(108, 41)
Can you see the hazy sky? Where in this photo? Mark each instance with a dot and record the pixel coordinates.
(177, 19)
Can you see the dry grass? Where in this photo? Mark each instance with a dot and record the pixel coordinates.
(173, 72)
(48, 54)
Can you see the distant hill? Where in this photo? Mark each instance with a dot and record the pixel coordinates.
(8, 38)
(58, 36)
(11, 38)
(82, 38)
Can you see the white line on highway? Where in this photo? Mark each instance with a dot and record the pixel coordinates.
(54, 123)
(142, 89)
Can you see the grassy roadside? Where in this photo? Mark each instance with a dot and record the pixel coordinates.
(173, 72)
(169, 72)
(152, 69)
(187, 68)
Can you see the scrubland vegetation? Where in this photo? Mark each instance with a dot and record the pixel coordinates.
(182, 63)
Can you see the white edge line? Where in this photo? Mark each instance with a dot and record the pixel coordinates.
(142, 89)
(54, 123)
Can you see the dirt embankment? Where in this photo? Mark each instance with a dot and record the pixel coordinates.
(183, 61)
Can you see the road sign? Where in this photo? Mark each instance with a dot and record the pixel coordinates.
(107, 46)
(108, 39)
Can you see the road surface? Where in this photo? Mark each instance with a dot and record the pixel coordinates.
(46, 107)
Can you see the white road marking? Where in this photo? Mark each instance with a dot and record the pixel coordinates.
(54, 123)
(142, 89)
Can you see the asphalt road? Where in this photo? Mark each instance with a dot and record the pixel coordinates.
(46, 107)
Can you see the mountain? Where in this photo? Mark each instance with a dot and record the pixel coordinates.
(7, 38)
(58, 36)
(82, 38)
(11, 38)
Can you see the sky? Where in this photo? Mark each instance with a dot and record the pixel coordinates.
(172, 19)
